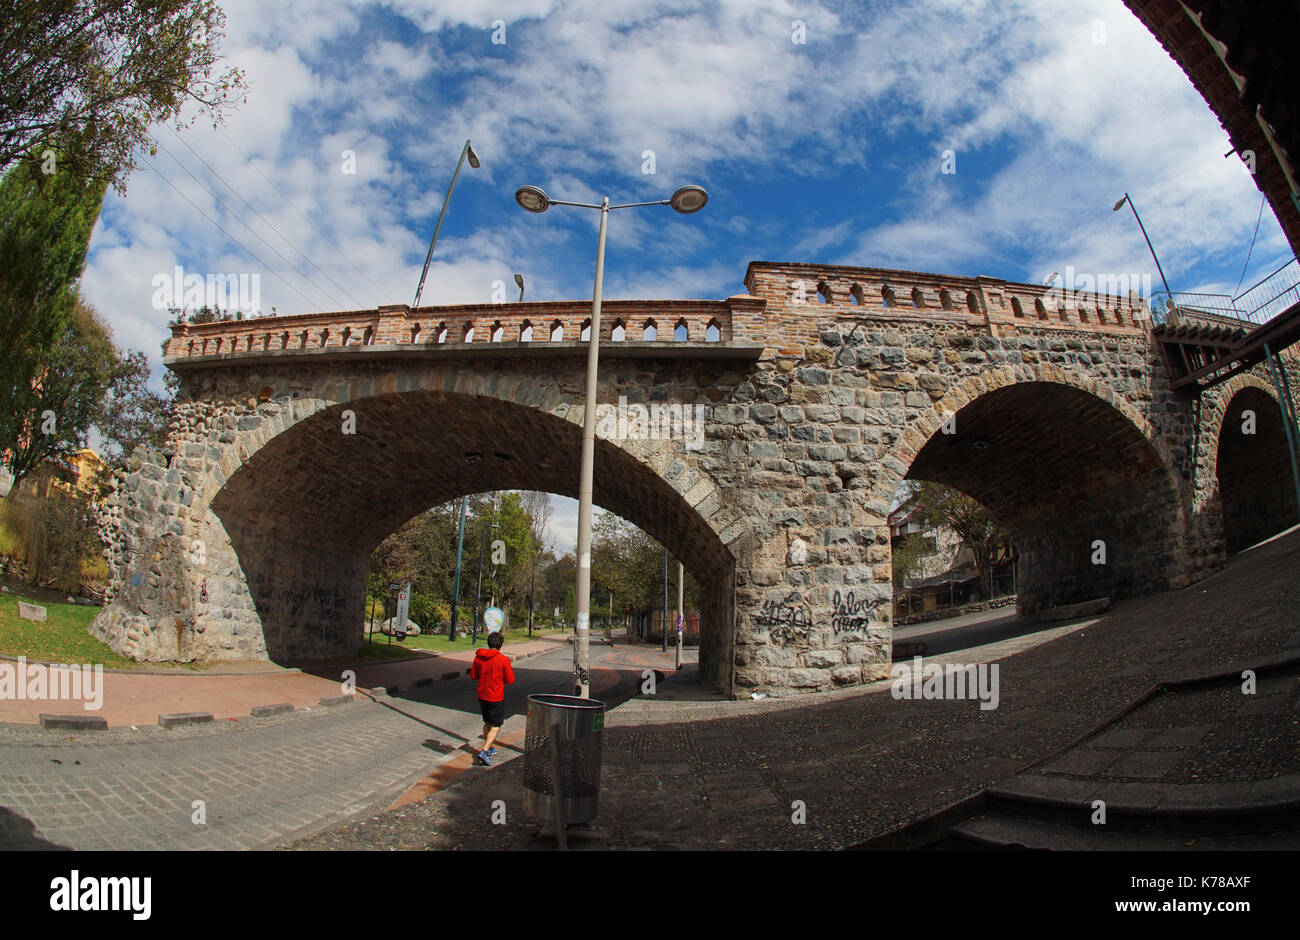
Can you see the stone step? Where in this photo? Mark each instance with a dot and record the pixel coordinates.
(1008, 832)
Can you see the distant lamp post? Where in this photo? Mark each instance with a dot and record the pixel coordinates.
(519, 279)
(466, 151)
(478, 593)
(686, 200)
(1119, 205)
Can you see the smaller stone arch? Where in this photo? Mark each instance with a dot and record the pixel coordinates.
(266, 341)
(325, 337)
(1083, 314)
(1040, 308)
(284, 340)
(858, 295)
(468, 335)
(440, 333)
(713, 331)
(945, 299)
(887, 297)
(497, 332)
(972, 302)
(618, 333)
(1016, 309)
(650, 331)
(302, 340)
(218, 345)
(918, 298)
(249, 346)
(584, 333)
(347, 336)
(824, 290)
(557, 332)
(526, 331)
(681, 332)
(415, 332)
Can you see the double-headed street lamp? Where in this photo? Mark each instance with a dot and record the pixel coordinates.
(686, 200)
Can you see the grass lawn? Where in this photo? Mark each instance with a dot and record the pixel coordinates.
(62, 638)
(438, 643)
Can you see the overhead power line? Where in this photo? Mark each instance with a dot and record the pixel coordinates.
(268, 222)
(238, 244)
(341, 253)
(235, 215)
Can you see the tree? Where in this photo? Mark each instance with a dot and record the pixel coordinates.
(86, 79)
(132, 414)
(45, 226)
(907, 555)
(939, 505)
(51, 415)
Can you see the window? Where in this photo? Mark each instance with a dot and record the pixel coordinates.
(945, 299)
(618, 333)
(887, 296)
(497, 333)
(368, 337)
(857, 294)
(649, 332)
(584, 334)
(440, 333)
(468, 335)
(713, 332)
(1016, 309)
(824, 290)
(680, 332)
(525, 332)
(972, 302)
(415, 333)
(557, 331)
(324, 336)
(918, 299)
(1039, 308)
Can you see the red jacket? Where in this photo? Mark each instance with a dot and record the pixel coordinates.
(492, 670)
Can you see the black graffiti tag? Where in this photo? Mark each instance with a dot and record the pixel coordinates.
(787, 619)
(851, 615)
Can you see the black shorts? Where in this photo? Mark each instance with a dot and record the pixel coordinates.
(494, 713)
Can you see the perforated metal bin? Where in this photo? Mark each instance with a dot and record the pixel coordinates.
(563, 740)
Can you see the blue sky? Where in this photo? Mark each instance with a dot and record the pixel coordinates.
(830, 150)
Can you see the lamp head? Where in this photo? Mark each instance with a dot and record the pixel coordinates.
(1120, 204)
(519, 279)
(689, 199)
(473, 157)
(532, 198)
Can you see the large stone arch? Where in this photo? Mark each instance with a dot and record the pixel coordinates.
(285, 505)
(1066, 463)
(1251, 487)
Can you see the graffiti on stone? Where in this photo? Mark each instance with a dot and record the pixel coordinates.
(787, 619)
(851, 615)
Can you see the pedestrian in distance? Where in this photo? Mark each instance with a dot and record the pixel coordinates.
(492, 670)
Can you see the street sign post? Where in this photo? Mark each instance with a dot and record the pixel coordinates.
(403, 608)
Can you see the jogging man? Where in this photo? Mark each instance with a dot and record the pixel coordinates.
(492, 670)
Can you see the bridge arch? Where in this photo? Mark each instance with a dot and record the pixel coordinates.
(1248, 462)
(1069, 467)
(308, 482)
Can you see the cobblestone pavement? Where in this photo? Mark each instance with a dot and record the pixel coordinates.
(712, 774)
(262, 780)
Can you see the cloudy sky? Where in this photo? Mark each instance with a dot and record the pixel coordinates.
(820, 131)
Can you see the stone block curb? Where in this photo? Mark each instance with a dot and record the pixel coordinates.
(184, 718)
(266, 711)
(332, 700)
(73, 722)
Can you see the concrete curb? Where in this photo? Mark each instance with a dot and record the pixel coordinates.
(184, 718)
(331, 700)
(266, 711)
(73, 723)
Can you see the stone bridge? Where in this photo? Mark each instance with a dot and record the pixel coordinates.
(301, 442)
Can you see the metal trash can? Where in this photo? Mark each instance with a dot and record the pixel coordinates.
(562, 756)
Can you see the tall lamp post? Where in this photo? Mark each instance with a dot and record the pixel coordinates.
(686, 200)
(466, 151)
(455, 589)
(1119, 205)
(519, 279)
(478, 593)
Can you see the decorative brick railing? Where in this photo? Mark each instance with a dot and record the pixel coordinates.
(662, 321)
(801, 294)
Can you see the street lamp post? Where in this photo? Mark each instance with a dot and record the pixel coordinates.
(1119, 205)
(519, 279)
(466, 151)
(478, 593)
(455, 588)
(686, 200)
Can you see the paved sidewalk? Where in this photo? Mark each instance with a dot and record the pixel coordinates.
(138, 698)
(858, 764)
